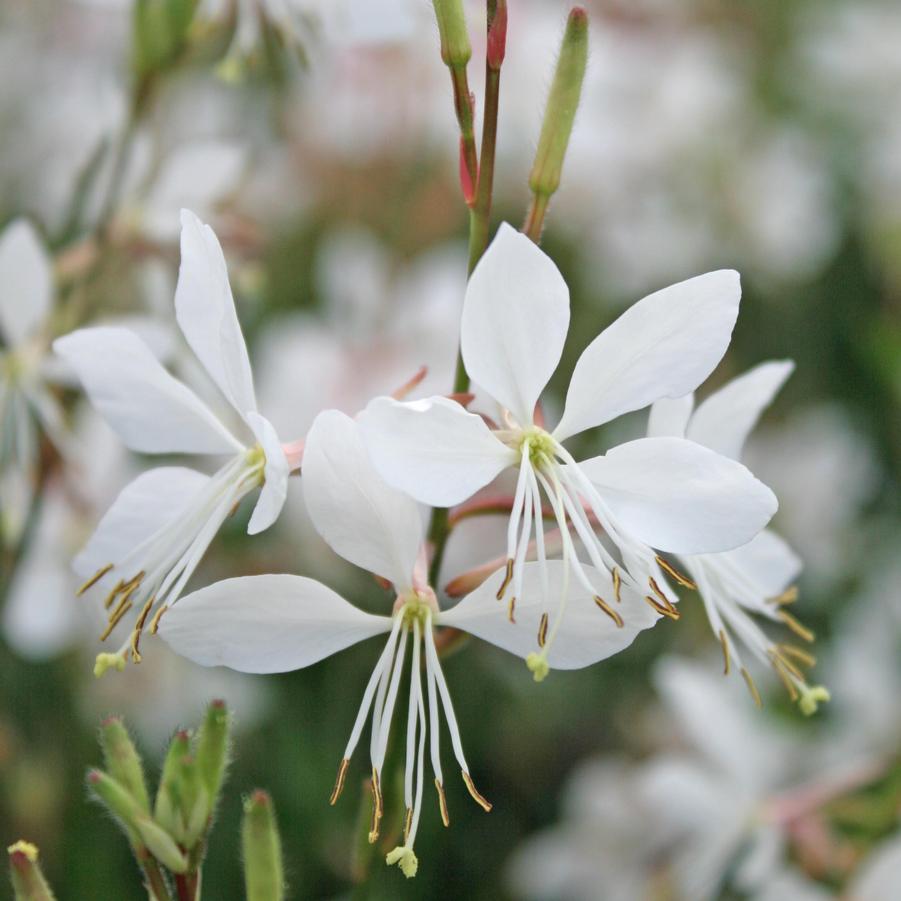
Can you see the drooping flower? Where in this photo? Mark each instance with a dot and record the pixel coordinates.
(276, 623)
(649, 495)
(153, 536)
(756, 579)
(28, 408)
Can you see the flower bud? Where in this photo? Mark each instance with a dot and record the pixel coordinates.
(159, 33)
(118, 800)
(167, 808)
(455, 47)
(263, 876)
(497, 35)
(561, 107)
(122, 760)
(28, 880)
(212, 750)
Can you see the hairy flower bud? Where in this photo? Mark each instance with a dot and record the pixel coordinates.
(562, 104)
(122, 760)
(28, 880)
(263, 874)
(455, 47)
(212, 750)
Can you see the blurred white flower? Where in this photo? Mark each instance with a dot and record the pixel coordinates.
(154, 535)
(664, 493)
(878, 877)
(757, 578)
(28, 408)
(275, 623)
(815, 447)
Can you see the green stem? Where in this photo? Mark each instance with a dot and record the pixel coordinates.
(479, 232)
(155, 881)
(534, 223)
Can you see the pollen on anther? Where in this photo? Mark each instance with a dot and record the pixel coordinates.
(603, 605)
(508, 576)
(724, 644)
(752, 688)
(339, 781)
(474, 792)
(667, 611)
(442, 803)
(376, 808)
(797, 627)
(542, 631)
(94, 579)
(674, 573)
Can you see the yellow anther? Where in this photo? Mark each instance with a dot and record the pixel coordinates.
(752, 688)
(617, 584)
(674, 573)
(155, 622)
(94, 579)
(138, 630)
(789, 596)
(508, 575)
(797, 627)
(113, 594)
(511, 606)
(124, 606)
(724, 644)
(538, 666)
(339, 781)
(542, 631)
(603, 605)
(405, 859)
(442, 803)
(474, 792)
(376, 808)
(668, 611)
(408, 824)
(799, 654)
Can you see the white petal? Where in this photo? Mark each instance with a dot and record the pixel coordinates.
(663, 346)
(586, 634)
(767, 561)
(878, 877)
(515, 319)
(724, 421)
(150, 410)
(675, 495)
(366, 521)
(432, 449)
(669, 417)
(275, 487)
(153, 499)
(205, 310)
(265, 624)
(26, 282)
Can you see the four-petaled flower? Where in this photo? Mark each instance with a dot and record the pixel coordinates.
(758, 577)
(660, 494)
(275, 623)
(150, 541)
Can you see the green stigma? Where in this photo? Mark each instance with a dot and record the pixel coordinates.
(405, 859)
(538, 666)
(811, 698)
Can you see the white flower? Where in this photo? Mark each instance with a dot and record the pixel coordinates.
(27, 406)
(663, 493)
(758, 577)
(275, 623)
(154, 535)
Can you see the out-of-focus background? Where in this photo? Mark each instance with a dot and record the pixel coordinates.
(320, 142)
